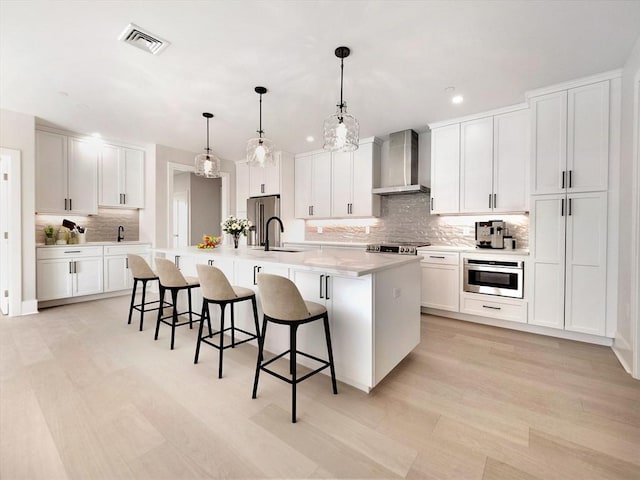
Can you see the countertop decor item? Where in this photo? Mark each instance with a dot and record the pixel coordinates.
(260, 150)
(207, 164)
(236, 227)
(49, 234)
(341, 130)
(209, 241)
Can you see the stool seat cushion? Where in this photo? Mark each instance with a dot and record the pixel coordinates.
(192, 281)
(315, 308)
(242, 292)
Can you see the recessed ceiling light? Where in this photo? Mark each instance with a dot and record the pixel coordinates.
(310, 139)
(449, 89)
(457, 99)
(96, 135)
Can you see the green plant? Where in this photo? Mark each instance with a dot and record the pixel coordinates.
(48, 230)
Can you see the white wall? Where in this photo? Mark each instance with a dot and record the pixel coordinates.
(17, 131)
(624, 335)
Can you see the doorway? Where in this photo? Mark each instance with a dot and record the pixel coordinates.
(181, 219)
(10, 233)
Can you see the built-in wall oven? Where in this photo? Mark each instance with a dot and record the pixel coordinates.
(494, 277)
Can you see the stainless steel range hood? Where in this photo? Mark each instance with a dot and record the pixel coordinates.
(401, 172)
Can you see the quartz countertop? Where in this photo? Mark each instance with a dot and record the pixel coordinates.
(94, 244)
(328, 260)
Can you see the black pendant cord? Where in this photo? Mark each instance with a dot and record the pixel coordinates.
(341, 77)
(260, 132)
(208, 149)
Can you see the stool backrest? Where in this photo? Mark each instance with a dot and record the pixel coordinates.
(214, 284)
(281, 298)
(139, 267)
(169, 274)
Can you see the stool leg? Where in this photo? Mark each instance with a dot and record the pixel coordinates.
(222, 305)
(330, 350)
(255, 319)
(259, 361)
(208, 322)
(205, 308)
(160, 311)
(174, 319)
(190, 309)
(142, 307)
(233, 328)
(133, 297)
(292, 368)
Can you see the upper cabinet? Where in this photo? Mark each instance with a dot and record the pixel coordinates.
(121, 177)
(480, 166)
(66, 174)
(570, 147)
(265, 180)
(313, 185)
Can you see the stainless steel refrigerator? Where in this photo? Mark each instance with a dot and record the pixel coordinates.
(259, 210)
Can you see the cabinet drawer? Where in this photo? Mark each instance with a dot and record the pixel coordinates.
(70, 251)
(124, 249)
(440, 258)
(504, 310)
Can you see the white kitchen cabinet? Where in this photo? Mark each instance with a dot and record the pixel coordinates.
(121, 177)
(242, 189)
(265, 180)
(492, 306)
(494, 152)
(313, 185)
(117, 275)
(69, 272)
(445, 169)
(66, 174)
(570, 140)
(569, 247)
(440, 285)
(353, 175)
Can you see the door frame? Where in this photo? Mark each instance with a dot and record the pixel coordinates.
(635, 234)
(173, 168)
(12, 159)
(186, 195)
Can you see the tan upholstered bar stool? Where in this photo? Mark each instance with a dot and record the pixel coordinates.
(141, 272)
(171, 279)
(217, 289)
(283, 304)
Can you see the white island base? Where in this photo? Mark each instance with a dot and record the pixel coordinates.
(373, 302)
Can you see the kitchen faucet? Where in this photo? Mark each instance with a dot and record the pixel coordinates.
(266, 237)
(120, 233)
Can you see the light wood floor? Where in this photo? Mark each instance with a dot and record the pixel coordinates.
(84, 396)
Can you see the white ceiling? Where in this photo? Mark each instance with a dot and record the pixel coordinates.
(62, 62)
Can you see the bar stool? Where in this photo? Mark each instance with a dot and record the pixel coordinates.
(141, 272)
(282, 304)
(171, 279)
(217, 289)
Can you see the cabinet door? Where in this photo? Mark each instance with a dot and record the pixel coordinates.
(51, 172)
(110, 182)
(83, 176)
(440, 287)
(303, 173)
(242, 189)
(342, 181)
(272, 178)
(445, 169)
(548, 142)
(588, 138)
(133, 177)
(548, 260)
(116, 274)
(321, 186)
(312, 287)
(510, 160)
(256, 181)
(476, 165)
(54, 279)
(365, 173)
(87, 278)
(586, 263)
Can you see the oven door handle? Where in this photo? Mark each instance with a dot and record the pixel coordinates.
(483, 268)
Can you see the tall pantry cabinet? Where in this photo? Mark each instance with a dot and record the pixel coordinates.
(569, 216)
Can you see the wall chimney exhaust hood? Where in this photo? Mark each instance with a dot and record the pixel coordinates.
(401, 175)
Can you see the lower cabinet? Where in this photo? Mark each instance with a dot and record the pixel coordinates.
(69, 272)
(117, 275)
(501, 308)
(440, 280)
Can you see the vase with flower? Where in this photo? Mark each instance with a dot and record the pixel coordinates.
(235, 227)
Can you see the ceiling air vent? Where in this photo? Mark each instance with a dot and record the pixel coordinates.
(136, 36)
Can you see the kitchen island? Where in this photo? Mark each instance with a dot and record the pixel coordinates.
(373, 302)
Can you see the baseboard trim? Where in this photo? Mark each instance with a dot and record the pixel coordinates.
(620, 345)
(85, 298)
(29, 307)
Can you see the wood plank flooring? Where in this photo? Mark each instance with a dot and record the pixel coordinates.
(85, 396)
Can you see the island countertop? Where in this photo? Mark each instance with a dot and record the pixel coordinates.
(333, 260)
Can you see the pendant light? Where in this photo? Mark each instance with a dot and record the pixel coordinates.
(341, 130)
(260, 150)
(207, 164)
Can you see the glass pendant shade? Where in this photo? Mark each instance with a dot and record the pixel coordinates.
(207, 165)
(341, 131)
(260, 152)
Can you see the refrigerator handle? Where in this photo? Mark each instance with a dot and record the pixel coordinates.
(261, 222)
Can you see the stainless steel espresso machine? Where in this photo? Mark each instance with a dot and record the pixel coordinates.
(490, 234)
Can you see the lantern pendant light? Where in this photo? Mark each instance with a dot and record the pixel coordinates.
(341, 130)
(260, 150)
(207, 164)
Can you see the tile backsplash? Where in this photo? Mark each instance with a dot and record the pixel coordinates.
(407, 218)
(101, 227)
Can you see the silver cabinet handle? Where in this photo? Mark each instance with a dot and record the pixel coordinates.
(436, 256)
(176, 260)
